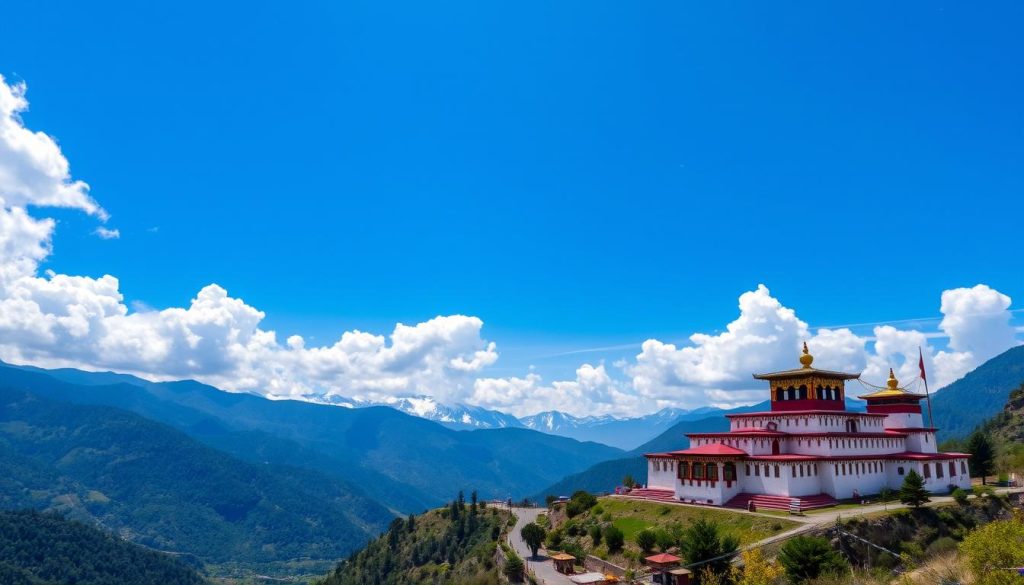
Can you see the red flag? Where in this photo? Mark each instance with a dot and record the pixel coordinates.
(920, 364)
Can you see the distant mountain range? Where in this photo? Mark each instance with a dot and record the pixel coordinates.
(963, 405)
(454, 416)
(155, 486)
(405, 462)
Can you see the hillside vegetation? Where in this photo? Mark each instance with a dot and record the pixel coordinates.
(985, 389)
(453, 545)
(46, 549)
(153, 485)
(413, 464)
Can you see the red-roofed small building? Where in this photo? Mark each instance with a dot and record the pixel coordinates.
(809, 449)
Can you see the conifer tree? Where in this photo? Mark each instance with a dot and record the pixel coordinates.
(912, 492)
(983, 455)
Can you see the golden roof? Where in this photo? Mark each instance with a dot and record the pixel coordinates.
(892, 390)
(805, 369)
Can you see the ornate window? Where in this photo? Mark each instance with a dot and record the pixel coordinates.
(698, 471)
(963, 466)
(776, 471)
(927, 471)
(684, 469)
(952, 469)
(712, 471)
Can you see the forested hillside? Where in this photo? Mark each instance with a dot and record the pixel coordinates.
(453, 545)
(154, 485)
(46, 549)
(963, 405)
(412, 463)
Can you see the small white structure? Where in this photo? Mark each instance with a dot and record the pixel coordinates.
(808, 448)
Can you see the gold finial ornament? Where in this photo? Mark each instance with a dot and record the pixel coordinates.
(806, 359)
(893, 383)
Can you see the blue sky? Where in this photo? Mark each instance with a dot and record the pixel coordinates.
(575, 174)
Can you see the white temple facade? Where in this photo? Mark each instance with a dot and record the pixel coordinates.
(808, 448)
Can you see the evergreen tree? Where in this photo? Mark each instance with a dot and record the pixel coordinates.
(614, 538)
(646, 540)
(629, 482)
(702, 542)
(983, 455)
(808, 557)
(912, 492)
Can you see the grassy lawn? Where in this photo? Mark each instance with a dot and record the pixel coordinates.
(632, 516)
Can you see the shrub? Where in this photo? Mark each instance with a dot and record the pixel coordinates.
(993, 547)
(982, 491)
(514, 568)
(960, 496)
(580, 502)
(573, 547)
(663, 539)
(614, 538)
(646, 540)
(702, 541)
(554, 539)
(598, 510)
(809, 557)
(595, 534)
(942, 545)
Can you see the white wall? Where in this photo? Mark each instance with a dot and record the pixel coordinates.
(867, 480)
(661, 473)
(786, 484)
(934, 483)
(813, 423)
(921, 442)
(904, 420)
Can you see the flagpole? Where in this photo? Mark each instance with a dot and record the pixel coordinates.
(928, 396)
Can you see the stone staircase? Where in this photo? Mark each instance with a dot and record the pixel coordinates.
(780, 502)
(659, 495)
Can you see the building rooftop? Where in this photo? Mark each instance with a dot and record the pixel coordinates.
(806, 359)
(892, 390)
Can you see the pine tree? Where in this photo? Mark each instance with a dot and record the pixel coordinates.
(702, 541)
(983, 455)
(808, 557)
(912, 492)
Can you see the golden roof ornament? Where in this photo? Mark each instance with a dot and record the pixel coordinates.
(806, 359)
(893, 383)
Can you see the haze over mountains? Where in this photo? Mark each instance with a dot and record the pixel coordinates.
(245, 483)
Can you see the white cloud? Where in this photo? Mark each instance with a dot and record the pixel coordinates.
(107, 234)
(53, 319)
(592, 392)
(34, 171)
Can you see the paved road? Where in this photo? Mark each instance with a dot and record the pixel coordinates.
(541, 565)
(546, 574)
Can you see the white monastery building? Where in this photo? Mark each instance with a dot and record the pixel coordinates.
(808, 450)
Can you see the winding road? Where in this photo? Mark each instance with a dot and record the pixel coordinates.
(544, 569)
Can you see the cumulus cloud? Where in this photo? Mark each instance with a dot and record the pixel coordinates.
(107, 234)
(592, 392)
(766, 336)
(53, 319)
(34, 171)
